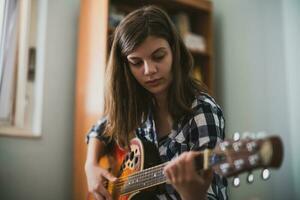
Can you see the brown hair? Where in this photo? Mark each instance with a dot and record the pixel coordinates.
(127, 103)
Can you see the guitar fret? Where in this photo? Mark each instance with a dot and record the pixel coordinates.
(144, 185)
(147, 178)
(154, 176)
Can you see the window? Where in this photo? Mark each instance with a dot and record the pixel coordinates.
(22, 33)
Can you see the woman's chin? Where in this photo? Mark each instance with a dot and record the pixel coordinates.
(157, 91)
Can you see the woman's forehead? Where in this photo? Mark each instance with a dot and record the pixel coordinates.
(149, 46)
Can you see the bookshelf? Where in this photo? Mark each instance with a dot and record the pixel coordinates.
(94, 35)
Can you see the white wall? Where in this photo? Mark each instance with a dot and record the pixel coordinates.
(42, 168)
(291, 17)
(252, 82)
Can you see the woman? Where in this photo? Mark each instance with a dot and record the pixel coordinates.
(151, 94)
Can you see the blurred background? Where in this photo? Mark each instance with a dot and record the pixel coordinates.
(52, 60)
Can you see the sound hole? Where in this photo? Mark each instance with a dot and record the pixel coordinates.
(131, 155)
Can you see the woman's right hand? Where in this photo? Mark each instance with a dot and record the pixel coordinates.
(96, 177)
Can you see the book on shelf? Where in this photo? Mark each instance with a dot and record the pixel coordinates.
(195, 42)
(197, 73)
(182, 23)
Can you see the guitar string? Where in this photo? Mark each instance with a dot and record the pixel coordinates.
(146, 183)
(141, 174)
(146, 176)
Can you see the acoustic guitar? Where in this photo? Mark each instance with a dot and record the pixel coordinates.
(139, 171)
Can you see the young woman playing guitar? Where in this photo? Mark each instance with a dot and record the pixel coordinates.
(151, 95)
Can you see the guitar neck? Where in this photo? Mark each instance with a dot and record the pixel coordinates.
(144, 179)
(154, 176)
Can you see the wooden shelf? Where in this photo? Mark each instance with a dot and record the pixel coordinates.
(194, 4)
(171, 5)
(195, 52)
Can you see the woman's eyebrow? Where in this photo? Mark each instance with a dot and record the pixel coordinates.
(160, 48)
(155, 51)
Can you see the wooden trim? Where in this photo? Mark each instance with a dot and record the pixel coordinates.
(199, 4)
(24, 25)
(91, 61)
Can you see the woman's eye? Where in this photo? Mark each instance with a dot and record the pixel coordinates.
(159, 57)
(136, 64)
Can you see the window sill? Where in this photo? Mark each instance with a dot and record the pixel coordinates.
(12, 131)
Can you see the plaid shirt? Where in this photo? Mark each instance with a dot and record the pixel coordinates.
(201, 129)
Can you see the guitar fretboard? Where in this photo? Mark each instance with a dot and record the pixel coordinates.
(141, 180)
(152, 176)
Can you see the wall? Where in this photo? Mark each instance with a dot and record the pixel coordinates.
(253, 82)
(291, 16)
(42, 168)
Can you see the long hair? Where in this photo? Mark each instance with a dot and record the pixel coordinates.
(127, 103)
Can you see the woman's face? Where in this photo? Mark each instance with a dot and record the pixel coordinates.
(151, 63)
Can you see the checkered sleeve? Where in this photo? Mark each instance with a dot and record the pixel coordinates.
(206, 129)
(97, 130)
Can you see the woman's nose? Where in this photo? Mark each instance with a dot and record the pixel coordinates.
(150, 68)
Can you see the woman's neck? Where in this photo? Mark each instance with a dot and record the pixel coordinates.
(161, 102)
(163, 118)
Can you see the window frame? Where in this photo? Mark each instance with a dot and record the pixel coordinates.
(19, 126)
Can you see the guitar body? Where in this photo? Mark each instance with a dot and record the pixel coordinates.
(121, 163)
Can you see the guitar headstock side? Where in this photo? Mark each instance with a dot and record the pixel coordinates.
(231, 158)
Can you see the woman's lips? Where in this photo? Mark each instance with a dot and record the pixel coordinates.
(153, 82)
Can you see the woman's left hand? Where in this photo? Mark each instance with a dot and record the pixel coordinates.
(181, 173)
